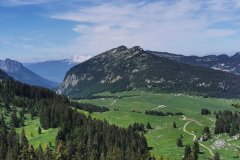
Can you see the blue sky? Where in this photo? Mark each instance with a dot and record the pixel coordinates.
(37, 30)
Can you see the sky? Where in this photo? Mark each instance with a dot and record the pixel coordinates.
(39, 30)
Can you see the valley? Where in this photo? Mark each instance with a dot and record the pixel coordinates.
(120, 80)
(162, 138)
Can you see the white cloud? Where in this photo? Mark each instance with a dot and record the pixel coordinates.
(23, 2)
(161, 25)
(80, 58)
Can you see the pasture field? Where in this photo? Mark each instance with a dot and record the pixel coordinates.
(162, 138)
(31, 130)
(35, 139)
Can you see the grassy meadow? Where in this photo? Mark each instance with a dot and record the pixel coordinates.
(31, 130)
(162, 138)
(35, 139)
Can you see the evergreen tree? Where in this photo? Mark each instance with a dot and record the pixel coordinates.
(195, 150)
(196, 146)
(13, 145)
(179, 142)
(216, 156)
(39, 130)
(24, 141)
(3, 138)
(206, 133)
(14, 121)
(149, 126)
(187, 152)
(32, 153)
(40, 152)
(174, 125)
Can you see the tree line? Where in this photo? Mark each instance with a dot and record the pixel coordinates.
(227, 122)
(205, 111)
(160, 113)
(89, 107)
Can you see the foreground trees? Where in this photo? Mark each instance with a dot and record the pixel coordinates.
(79, 137)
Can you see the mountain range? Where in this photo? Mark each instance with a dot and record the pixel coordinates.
(54, 70)
(17, 71)
(217, 62)
(123, 68)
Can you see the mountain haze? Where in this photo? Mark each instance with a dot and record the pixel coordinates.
(54, 70)
(19, 72)
(122, 69)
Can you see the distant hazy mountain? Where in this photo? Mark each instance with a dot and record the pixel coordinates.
(3, 75)
(19, 72)
(222, 62)
(122, 69)
(53, 70)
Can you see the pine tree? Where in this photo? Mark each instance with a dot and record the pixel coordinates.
(179, 142)
(195, 150)
(40, 152)
(216, 156)
(3, 138)
(187, 152)
(24, 141)
(13, 145)
(39, 130)
(149, 126)
(196, 146)
(206, 132)
(174, 125)
(32, 153)
(14, 121)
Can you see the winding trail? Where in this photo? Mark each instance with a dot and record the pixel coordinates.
(194, 135)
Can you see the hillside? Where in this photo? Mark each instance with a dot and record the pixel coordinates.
(54, 70)
(35, 117)
(19, 72)
(122, 69)
(3, 75)
(221, 62)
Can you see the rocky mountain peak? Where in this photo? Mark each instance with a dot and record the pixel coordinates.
(119, 53)
(9, 65)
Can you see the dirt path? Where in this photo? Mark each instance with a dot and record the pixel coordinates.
(113, 102)
(184, 129)
(194, 136)
(160, 106)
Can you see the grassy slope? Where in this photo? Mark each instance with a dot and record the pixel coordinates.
(31, 128)
(163, 137)
(35, 139)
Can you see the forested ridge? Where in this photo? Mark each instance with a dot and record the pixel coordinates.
(123, 69)
(79, 137)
